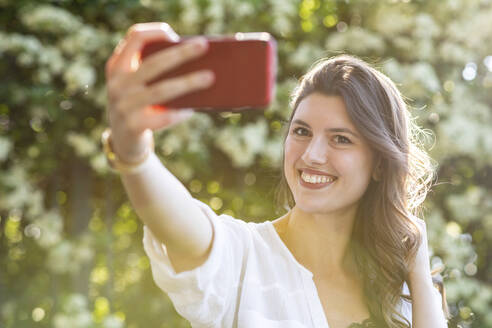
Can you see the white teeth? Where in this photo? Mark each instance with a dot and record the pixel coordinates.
(316, 178)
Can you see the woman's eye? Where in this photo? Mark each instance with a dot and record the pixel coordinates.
(296, 130)
(342, 139)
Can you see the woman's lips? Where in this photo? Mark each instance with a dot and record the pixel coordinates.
(314, 185)
(315, 172)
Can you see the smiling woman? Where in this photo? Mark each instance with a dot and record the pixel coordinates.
(352, 165)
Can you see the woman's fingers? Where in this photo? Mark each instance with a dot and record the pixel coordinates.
(162, 92)
(178, 86)
(156, 120)
(126, 53)
(170, 58)
(159, 63)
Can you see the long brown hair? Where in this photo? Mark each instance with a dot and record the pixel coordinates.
(384, 237)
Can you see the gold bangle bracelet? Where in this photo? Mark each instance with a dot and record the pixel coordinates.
(115, 162)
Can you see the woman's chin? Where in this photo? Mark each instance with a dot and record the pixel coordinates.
(314, 207)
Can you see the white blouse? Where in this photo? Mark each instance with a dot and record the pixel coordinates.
(249, 280)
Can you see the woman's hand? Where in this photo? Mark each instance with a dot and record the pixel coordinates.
(131, 117)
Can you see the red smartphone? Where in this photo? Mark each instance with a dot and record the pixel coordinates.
(244, 65)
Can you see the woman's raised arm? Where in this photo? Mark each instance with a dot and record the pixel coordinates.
(427, 304)
(163, 204)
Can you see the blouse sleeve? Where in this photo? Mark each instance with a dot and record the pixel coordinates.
(204, 295)
(406, 305)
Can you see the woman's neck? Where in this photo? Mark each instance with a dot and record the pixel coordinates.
(320, 242)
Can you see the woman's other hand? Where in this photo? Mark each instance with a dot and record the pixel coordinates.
(131, 117)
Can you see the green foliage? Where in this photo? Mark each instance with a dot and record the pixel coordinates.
(71, 253)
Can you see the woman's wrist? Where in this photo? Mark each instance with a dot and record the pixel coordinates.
(131, 149)
(128, 165)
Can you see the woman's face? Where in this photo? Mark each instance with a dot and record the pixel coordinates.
(323, 138)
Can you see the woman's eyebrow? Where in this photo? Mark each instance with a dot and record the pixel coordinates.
(300, 122)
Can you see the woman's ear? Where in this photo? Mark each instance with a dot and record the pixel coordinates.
(376, 172)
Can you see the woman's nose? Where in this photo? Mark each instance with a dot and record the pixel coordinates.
(316, 152)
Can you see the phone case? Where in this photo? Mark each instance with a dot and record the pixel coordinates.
(245, 67)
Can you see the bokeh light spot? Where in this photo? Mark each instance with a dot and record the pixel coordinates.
(470, 269)
(101, 307)
(12, 231)
(453, 229)
(216, 203)
(448, 86)
(38, 314)
(330, 21)
(33, 151)
(99, 275)
(250, 179)
(487, 61)
(342, 27)
(470, 71)
(196, 186)
(32, 231)
(213, 187)
(307, 26)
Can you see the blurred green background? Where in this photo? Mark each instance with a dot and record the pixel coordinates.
(70, 243)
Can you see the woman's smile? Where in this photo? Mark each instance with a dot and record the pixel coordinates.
(315, 181)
